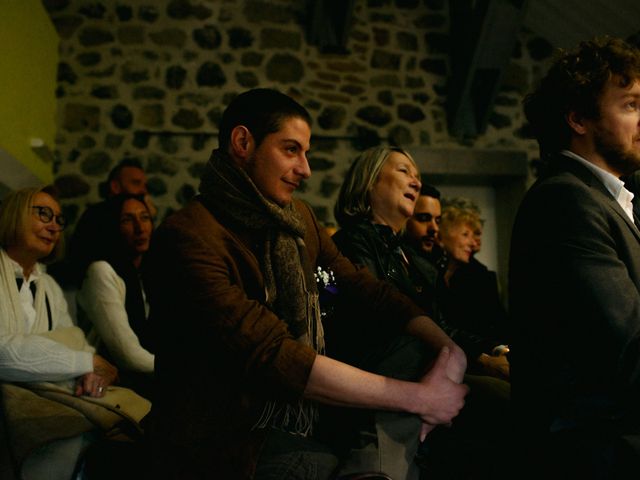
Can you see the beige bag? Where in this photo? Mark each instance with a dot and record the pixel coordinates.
(38, 413)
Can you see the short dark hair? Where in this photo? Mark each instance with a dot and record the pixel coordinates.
(125, 162)
(262, 111)
(430, 191)
(104, 188)
(575, 83)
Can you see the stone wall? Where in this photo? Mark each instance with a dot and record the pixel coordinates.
(149, 79)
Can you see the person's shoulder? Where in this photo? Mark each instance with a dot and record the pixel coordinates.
(304, 209)
(566, 173)
(99, 277)
(356, 232)
(561, 191)
(100, 267)
(193, 216)
(195, 222)
(478, 266)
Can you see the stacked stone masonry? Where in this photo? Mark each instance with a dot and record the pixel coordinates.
(150, 79)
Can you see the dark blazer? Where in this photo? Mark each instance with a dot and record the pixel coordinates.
(221, 352)
(574, 282)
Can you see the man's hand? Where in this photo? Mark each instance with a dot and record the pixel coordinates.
(443, 397)
(457, 365)
(455, 370)
(94, 383)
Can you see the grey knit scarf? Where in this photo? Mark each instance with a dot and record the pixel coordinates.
(288, 276)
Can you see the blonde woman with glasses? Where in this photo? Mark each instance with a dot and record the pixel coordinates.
(38, 341)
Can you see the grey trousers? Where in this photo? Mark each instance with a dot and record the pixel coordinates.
(392, 451)
(388, 441)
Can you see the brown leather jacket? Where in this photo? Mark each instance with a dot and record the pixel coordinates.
(221, 351)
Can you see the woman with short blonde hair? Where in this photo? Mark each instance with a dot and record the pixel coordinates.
(15, 211)
(469, 297)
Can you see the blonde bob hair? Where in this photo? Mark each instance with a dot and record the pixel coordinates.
(353, 202)
(15, 211)
(460, 211)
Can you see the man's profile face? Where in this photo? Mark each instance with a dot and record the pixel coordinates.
(279, 163)
(131, 181)
(616, 133)
(424, 225)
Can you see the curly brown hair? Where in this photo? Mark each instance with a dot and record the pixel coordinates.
(575, 83)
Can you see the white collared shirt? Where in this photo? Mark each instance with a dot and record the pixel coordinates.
(613, 184)
(27, 302)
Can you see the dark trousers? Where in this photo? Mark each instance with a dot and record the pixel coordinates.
(295, 458)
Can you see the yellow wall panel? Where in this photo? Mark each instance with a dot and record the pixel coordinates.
(28, 63)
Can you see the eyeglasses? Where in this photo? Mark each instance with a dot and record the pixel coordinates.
(46, 215)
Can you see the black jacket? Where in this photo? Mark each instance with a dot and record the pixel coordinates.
(381, 251)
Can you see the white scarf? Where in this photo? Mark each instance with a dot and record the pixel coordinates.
(11, 313)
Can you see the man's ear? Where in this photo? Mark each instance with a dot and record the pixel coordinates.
(576, 122)
(241, 143)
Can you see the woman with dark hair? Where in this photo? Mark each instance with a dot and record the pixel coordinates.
(39, 343)
(111, 300)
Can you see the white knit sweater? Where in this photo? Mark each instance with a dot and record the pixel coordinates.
(102, 301)
(28, 356)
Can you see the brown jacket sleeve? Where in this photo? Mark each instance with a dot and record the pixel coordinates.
(208, 292)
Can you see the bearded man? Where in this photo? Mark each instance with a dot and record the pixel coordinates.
(575, 272)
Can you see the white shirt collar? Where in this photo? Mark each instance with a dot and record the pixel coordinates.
(35, 274)
(613, 184)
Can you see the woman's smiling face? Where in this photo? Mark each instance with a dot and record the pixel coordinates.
(39, 238)
(459, 241)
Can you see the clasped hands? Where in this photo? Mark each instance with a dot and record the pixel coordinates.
(445, 389)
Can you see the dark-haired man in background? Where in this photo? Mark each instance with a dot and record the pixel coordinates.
(575, 272)
(423, 227)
